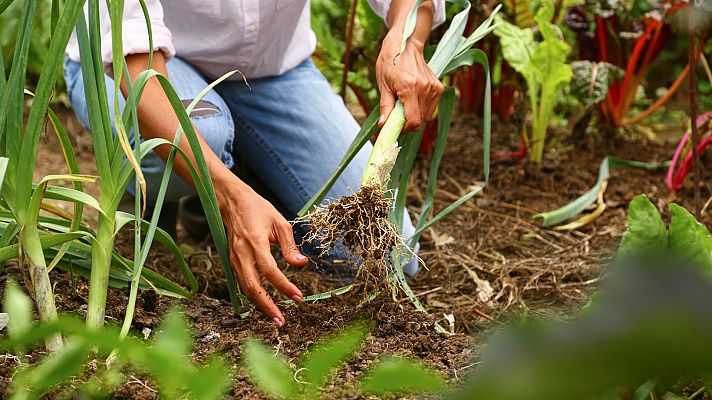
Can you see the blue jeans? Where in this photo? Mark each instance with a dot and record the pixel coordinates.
(291, 131)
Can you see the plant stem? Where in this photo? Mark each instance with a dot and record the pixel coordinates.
(41, 285)
(693, 108)
(101, 262)
(384, 153)
(697, 393)
(347, 53)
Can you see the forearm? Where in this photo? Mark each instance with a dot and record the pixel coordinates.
(158, 120)
(398, 13)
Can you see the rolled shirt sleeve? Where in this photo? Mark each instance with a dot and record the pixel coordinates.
(381, 8)
(135, 32)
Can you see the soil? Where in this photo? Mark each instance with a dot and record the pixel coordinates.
(486, 262)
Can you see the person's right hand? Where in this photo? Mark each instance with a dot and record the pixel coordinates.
(251, 221)
(252, 224)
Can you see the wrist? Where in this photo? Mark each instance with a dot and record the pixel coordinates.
(228, 188)
(392, 47)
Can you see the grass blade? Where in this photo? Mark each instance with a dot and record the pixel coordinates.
(322, 296)
(55, 55)
(445, 110)
(4, 4)
(204, 187)
(47, 241)
(11, 112)
(410, 22)
(165, 239)
(401, 174)
(73, 167)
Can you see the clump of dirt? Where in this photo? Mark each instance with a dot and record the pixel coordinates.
(358, 222)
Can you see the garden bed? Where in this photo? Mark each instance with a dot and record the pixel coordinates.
(488, 261)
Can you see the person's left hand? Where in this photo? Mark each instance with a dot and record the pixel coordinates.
(408, 79)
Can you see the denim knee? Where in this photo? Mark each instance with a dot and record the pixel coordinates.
(211, 117)
(216, 127)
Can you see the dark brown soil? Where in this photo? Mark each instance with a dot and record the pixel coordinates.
(486, 262)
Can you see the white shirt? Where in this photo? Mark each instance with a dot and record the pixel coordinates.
(258, 37)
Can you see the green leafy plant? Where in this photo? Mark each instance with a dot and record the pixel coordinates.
(630, 35)
(543, 66)
(47, 13)
(166, 357)
(117, 162)
(273, 375)
(18, 149)
(685, 238)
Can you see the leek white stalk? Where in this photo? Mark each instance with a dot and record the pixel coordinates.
(385, 150)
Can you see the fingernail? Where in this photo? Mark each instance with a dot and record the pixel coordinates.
(383, 118)
(297, 298)
(300, 257)
(277, 322)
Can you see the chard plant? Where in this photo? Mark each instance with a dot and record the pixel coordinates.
(543, 65)
(684, 238)
(273, 375)
(370, 222)
(629, 36)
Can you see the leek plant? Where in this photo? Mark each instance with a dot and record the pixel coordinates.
(18, 147)
(369, 222)
(117, 162)
(43, 242)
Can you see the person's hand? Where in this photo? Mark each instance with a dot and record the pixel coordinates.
(252, 224)
(406, 77)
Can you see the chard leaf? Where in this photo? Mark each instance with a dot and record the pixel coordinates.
(518, 45)
(646, 231)
(548, 61)
(689, 239)
(548, 64)
(591, 81)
